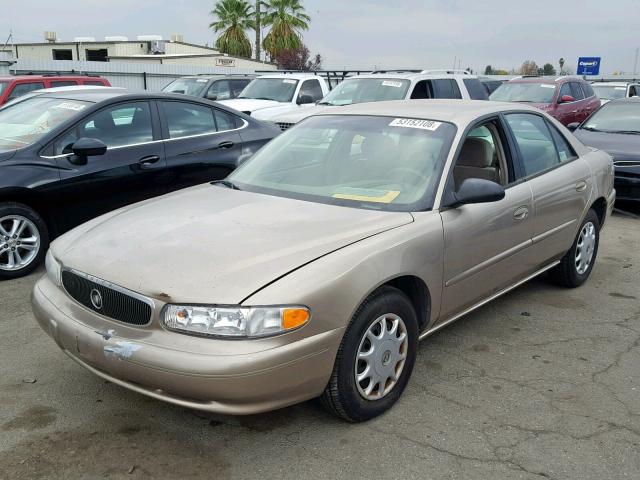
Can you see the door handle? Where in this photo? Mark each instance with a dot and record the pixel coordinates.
(225, 145)
(521, 213)
(146, 162)
(581, 186)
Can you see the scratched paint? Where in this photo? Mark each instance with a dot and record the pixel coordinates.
(122, 350)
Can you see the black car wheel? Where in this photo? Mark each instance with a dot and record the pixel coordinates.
(375, 358)
(23, 240)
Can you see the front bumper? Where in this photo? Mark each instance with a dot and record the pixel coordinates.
(627, 186)
(187, 371)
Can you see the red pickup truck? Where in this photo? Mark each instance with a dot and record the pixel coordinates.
(16, 86)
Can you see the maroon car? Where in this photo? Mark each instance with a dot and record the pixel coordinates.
(568, 99)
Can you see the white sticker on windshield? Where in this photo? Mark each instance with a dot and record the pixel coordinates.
(546, 85)
(389, 83)
(70, 106)
(620, 88)
(413, 123)
(289, 81)
(202, 80)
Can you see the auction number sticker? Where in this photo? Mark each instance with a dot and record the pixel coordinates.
(413, 123)
(546, 85)
(390, 83)
(70, 106)
(289, 81)
(202, 80)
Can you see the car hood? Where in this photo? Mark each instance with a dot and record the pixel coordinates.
(250, 104)
(300, 114)
(209, 244)
(4, 155)
(619, 146)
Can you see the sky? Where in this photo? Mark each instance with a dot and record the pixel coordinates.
(366, 34)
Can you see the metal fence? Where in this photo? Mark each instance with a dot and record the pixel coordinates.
(135, 76)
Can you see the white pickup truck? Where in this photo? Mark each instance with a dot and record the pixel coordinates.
(271, 95)
(377, 87)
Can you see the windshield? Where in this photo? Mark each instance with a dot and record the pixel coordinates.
(609, 92)
(359, 90)
(381, 163)
(277, 89)
(26, 122)
(524, 92)
(616, 117)
(187, 86)
(3, 87)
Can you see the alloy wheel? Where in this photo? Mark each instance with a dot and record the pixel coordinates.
(19, 242)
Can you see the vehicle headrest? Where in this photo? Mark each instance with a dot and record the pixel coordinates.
(104, 121)
(476, 152)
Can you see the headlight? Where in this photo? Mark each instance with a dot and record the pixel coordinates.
(243, 322)
(54, 268)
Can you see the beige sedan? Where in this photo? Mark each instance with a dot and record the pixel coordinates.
(315, 268)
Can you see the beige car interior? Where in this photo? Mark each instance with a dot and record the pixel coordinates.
(481, 158)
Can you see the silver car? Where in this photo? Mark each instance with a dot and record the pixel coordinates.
(317, 266)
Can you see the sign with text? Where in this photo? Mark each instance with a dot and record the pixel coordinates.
(588, 66)
(225, 62)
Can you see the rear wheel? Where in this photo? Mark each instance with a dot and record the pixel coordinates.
(576, 265)
(23, 240)
(375, 358)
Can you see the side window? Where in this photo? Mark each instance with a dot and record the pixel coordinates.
(94, 82)
(23, 88)
(588, 91)
(565, 151)
(221, 89)
(62, 83)
(185, 119)
(311, 88)
(577, 92)
(476, 89)
(446, 88)
(238, 85)
(536, 145)
(63, 144)
(423, 89)
(481, 156)
(565, 90)
(224, 120)
(121, 125)
(632, 91)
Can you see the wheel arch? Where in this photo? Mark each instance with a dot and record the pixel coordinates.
(32, 200)
(418, 293)
(600, 207)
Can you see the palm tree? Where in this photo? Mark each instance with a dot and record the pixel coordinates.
(286, 18)
(234, 17)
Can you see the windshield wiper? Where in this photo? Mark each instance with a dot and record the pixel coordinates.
(226, 183)
(626, 132)
(591, 129)
(327, 103)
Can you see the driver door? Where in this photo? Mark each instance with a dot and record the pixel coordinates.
(486, 244)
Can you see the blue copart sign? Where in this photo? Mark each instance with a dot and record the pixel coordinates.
(588, 66)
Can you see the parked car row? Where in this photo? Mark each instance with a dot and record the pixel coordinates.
(15, 86)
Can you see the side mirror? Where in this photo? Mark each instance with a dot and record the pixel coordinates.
(212, 96)
(566, 99)
(477, 190)
(86, 147)
(305, 100)
(573, 126)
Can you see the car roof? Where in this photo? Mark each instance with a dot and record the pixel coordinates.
(625, 100)
(410, 76)
(614, 84)
(99, 94)
(219, 76)
(49, 77)
(547, 80)
(296, 76)
(459, 112)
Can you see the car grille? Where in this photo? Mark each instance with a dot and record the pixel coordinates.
(284, 125)
(110, 300)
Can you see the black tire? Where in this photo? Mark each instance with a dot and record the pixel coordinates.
(20, 210)
(567, 274)
(342, 396)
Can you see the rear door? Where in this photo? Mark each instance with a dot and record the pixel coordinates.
(559, 179)
(202, 143)
(131, 170)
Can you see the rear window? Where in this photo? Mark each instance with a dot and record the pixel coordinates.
(475, 89)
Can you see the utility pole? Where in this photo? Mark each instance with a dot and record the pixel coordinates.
(258, 2)
(635, 65)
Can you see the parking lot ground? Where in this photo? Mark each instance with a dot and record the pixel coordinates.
(542, 383)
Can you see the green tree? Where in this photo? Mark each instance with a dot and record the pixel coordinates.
(488, 70)
(287, 19)
(548, 70)
(233, 17)
(529, 67)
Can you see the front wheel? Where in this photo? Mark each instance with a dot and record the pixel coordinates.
(375, 358)
(23, 240)
(575, 267)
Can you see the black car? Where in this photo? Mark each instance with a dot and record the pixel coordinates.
(615, 128)
(211, 87)
(68, 157)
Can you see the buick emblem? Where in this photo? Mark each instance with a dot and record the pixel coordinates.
(96, 299)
